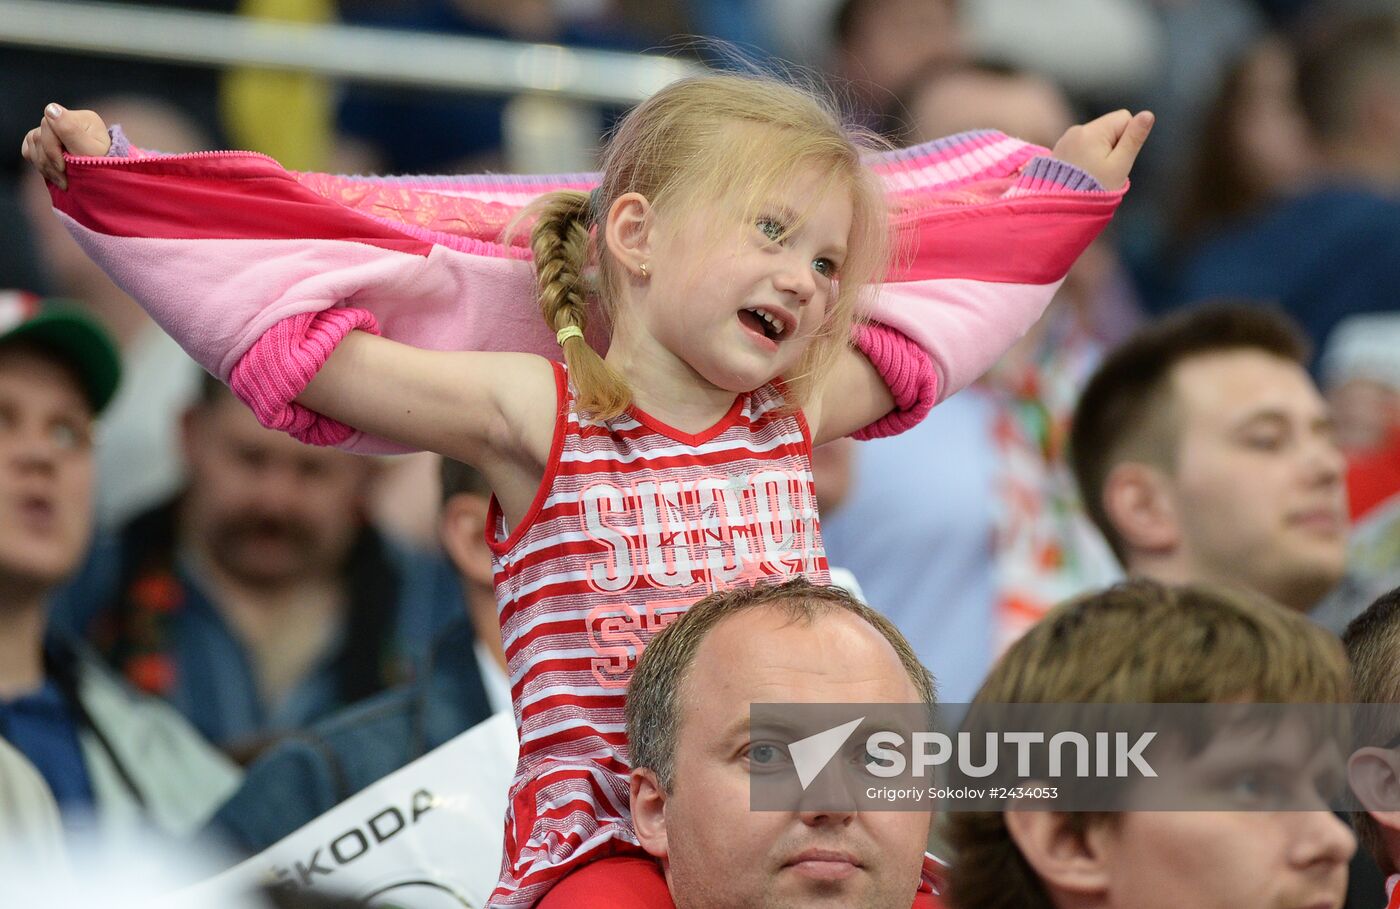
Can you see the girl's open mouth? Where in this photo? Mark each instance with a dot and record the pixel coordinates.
(760, 322)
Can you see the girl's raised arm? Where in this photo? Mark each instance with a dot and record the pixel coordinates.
(980, 275)
(479, 408)
(491, 410)
(474, 407)
(259, 278)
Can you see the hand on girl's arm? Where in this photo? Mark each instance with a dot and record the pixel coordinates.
(1107, 147)
(78, 132)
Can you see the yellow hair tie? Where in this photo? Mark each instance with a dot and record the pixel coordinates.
(567, 332)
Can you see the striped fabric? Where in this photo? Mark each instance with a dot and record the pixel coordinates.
(634, 522)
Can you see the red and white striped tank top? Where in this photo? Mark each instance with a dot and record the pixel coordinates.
(634, 522)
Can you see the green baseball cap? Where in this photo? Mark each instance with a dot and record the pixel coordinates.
(70, 334)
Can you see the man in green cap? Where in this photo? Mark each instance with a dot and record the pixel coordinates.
(112, 760)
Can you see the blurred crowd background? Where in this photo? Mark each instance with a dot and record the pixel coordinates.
(1272, 176)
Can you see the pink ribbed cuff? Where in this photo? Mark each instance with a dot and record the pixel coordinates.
(908, 371)
(280, 364)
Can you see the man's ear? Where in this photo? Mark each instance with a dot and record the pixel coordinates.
(649, 812)
(1374, 775)
(628, 232)
(1137, 499)
(1062, 850)
(462, 529)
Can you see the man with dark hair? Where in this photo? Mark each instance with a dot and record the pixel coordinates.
(112, 760)
(462, 683)
(1204, 453)
(1145, 643)
(260, 599)
(693, 758)
(1331, 249)
(1373, 647)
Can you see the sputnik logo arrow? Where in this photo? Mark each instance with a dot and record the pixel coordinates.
(811, 754)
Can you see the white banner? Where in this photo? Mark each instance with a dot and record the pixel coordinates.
(428, 836)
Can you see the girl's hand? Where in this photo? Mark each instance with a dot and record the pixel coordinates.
(78, 132)
(1107, 147)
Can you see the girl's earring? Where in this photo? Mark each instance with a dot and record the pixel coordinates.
(644, 269)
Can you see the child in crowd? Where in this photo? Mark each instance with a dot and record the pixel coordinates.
(734, 245)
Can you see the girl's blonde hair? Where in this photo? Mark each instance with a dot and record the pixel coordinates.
(735, 139)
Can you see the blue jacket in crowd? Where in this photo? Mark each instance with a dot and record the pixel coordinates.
(151, 620)
(1322, 255)
(310, 772)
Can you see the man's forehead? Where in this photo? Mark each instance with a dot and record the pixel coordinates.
(21, 361)
(767, 655)
(1232, 385)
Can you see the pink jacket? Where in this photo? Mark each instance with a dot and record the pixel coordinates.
(220, 247)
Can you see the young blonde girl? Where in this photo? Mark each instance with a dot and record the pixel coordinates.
(733, 243)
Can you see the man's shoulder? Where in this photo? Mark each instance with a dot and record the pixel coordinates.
(143, 740)
(130, 718)
(355, 746)
(1332, 201)
(308, 773)
(1330, 215)
(1329, 244)
(419, 593)
(619, 882)
(370, 739)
